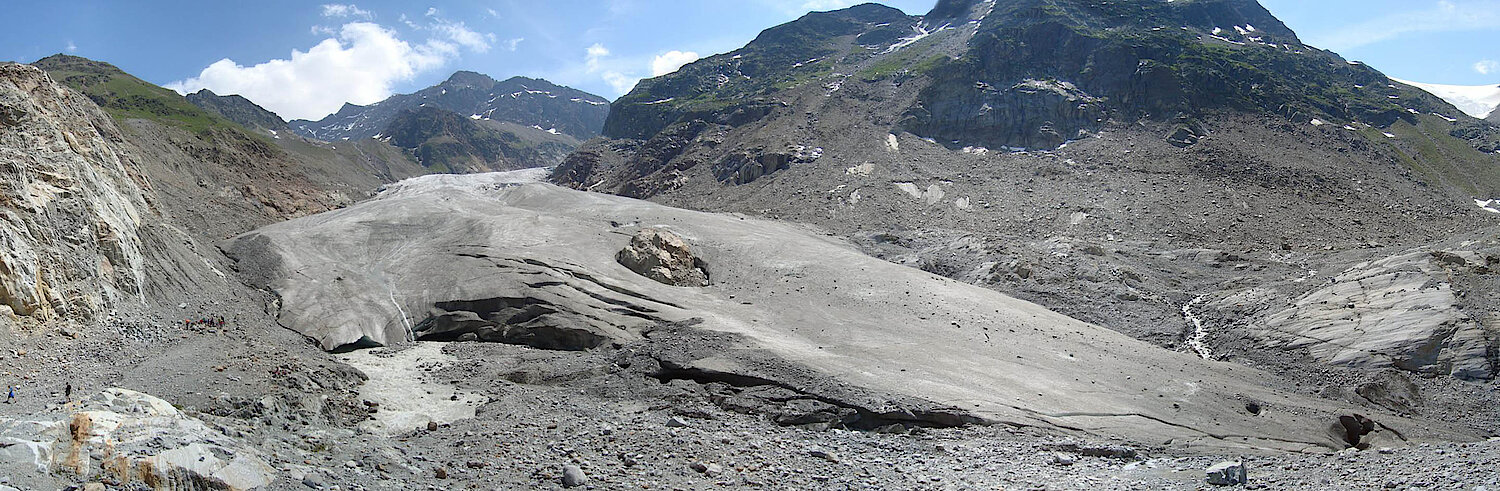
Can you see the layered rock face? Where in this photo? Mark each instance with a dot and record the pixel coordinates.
(70, 206)
(131, 440)
(1399, 311)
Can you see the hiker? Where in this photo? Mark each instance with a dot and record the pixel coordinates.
(12, 397)
(68, 392)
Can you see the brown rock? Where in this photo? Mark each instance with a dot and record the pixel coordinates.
(663, 256)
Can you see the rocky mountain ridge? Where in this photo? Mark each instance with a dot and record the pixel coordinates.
(520, 100)
(443, 141)
(239, 110)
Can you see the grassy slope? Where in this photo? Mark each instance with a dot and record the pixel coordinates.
(125, 96)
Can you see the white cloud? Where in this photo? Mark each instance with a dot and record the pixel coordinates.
(1486, 67)
(596, 61)
(596, 53)
(622, 83)
(359, 66)
(461, 34)
(72, 48)
(1445, 16)
(432, 11)
(349, 10)
(670, 61)
(512, 43)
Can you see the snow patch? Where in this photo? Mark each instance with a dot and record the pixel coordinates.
(1478, 101)
(1490, 205)
(921, 33)
(663, 101)
(891, 143)
(1318, 122)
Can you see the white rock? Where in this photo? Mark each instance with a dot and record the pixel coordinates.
(126, 436)
(1227, 474)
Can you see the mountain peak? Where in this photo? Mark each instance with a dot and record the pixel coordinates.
(238, 109)
(524, 101)
(79, 64)
(471, 79)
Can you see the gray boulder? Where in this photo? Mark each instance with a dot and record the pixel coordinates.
(1227, 474)
(573, 476)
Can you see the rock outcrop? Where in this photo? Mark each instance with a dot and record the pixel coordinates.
(1400, 311)
(1029, 114)
(70, 206)
(130, 440)
(663, 256)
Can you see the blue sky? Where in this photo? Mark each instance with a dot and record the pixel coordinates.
(304, 59)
